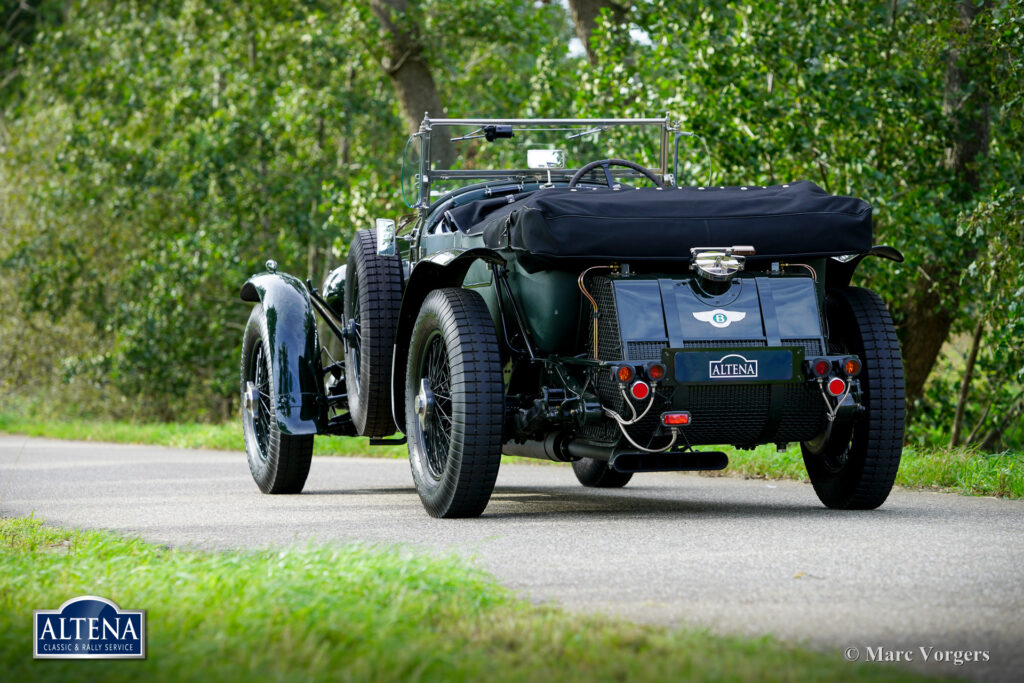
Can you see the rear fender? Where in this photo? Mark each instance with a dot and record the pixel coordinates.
(297, 374)
(840, 273)
(443, 269)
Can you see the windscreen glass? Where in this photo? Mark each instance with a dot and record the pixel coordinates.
(466, 154)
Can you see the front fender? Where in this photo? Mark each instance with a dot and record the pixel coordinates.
(443, 269)
(297, 374)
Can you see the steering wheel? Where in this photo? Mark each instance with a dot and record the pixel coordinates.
(605, 163)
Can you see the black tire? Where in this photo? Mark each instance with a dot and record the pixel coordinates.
(455, 449)
(854, 466)
(373, 296)
(279, 462)
(597, 474)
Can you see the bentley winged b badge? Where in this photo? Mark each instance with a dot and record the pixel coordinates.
(720, 318)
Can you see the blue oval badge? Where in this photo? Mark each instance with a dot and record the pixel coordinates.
(89, 627)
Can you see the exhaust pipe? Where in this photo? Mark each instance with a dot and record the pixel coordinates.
(559, 448)
(623, 460)
(690, 461)
(551, 448)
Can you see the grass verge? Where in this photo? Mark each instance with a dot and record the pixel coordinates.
(960, 470)
(350, 613)
(225, 437)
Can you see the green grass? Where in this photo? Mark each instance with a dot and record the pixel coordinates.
(960, 470)
(225, 437)
(350, 613)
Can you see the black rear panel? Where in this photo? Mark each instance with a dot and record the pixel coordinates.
(721, 413)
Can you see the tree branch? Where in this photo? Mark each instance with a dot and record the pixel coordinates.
(965, 384)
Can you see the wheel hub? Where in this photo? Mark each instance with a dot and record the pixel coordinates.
(250, 398)
(424, 402)
(348, 333)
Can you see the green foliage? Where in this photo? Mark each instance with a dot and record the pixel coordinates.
(350, 613)
(170, 150)
(154, 155)
(178, 160)
(851, 95)
(997, 389)
(20, 22)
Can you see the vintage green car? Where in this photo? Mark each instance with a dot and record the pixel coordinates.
(584, 309)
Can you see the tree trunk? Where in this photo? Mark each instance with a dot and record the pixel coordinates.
(261, 156)
(993, 439)
(965, 385)
(410, 74)
(925, 327)
(967, 104)
(926, 321)
(584, 17)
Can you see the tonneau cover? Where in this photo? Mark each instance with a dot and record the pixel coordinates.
(782, 221)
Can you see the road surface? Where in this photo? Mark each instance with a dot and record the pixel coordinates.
(740, 557)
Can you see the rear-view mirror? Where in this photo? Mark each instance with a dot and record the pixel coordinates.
(545, 158)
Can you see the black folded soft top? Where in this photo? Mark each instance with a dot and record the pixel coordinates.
(781, 221)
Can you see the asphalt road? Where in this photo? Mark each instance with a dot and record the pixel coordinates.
(742, 557)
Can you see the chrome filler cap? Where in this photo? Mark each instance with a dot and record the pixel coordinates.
(719, 264)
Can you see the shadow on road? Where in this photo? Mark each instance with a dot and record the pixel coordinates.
(510, 503)
(520, 502)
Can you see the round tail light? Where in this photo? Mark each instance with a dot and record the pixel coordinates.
(820, 367)
(836, 386)
(656, 371)
(851, 367)
(623, 373)
(640, 390)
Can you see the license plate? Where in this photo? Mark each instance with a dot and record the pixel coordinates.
(732, 366)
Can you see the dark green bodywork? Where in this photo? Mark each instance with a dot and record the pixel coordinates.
(296, 370)
(556, 316)
(549, 300)
(333, 290)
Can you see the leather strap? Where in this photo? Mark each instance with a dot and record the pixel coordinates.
(776, 392)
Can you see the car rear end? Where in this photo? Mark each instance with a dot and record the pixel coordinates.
(692, 360)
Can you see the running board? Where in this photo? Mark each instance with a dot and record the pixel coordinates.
(688, 461)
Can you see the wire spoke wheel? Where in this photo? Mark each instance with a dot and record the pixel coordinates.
(353, 340)
(437, 423)
(260, 413)
(279, 462)
(454, 402)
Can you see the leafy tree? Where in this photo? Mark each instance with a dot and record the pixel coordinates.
(153, 155)
(911, 105)
(168, 150)
(20, 21)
